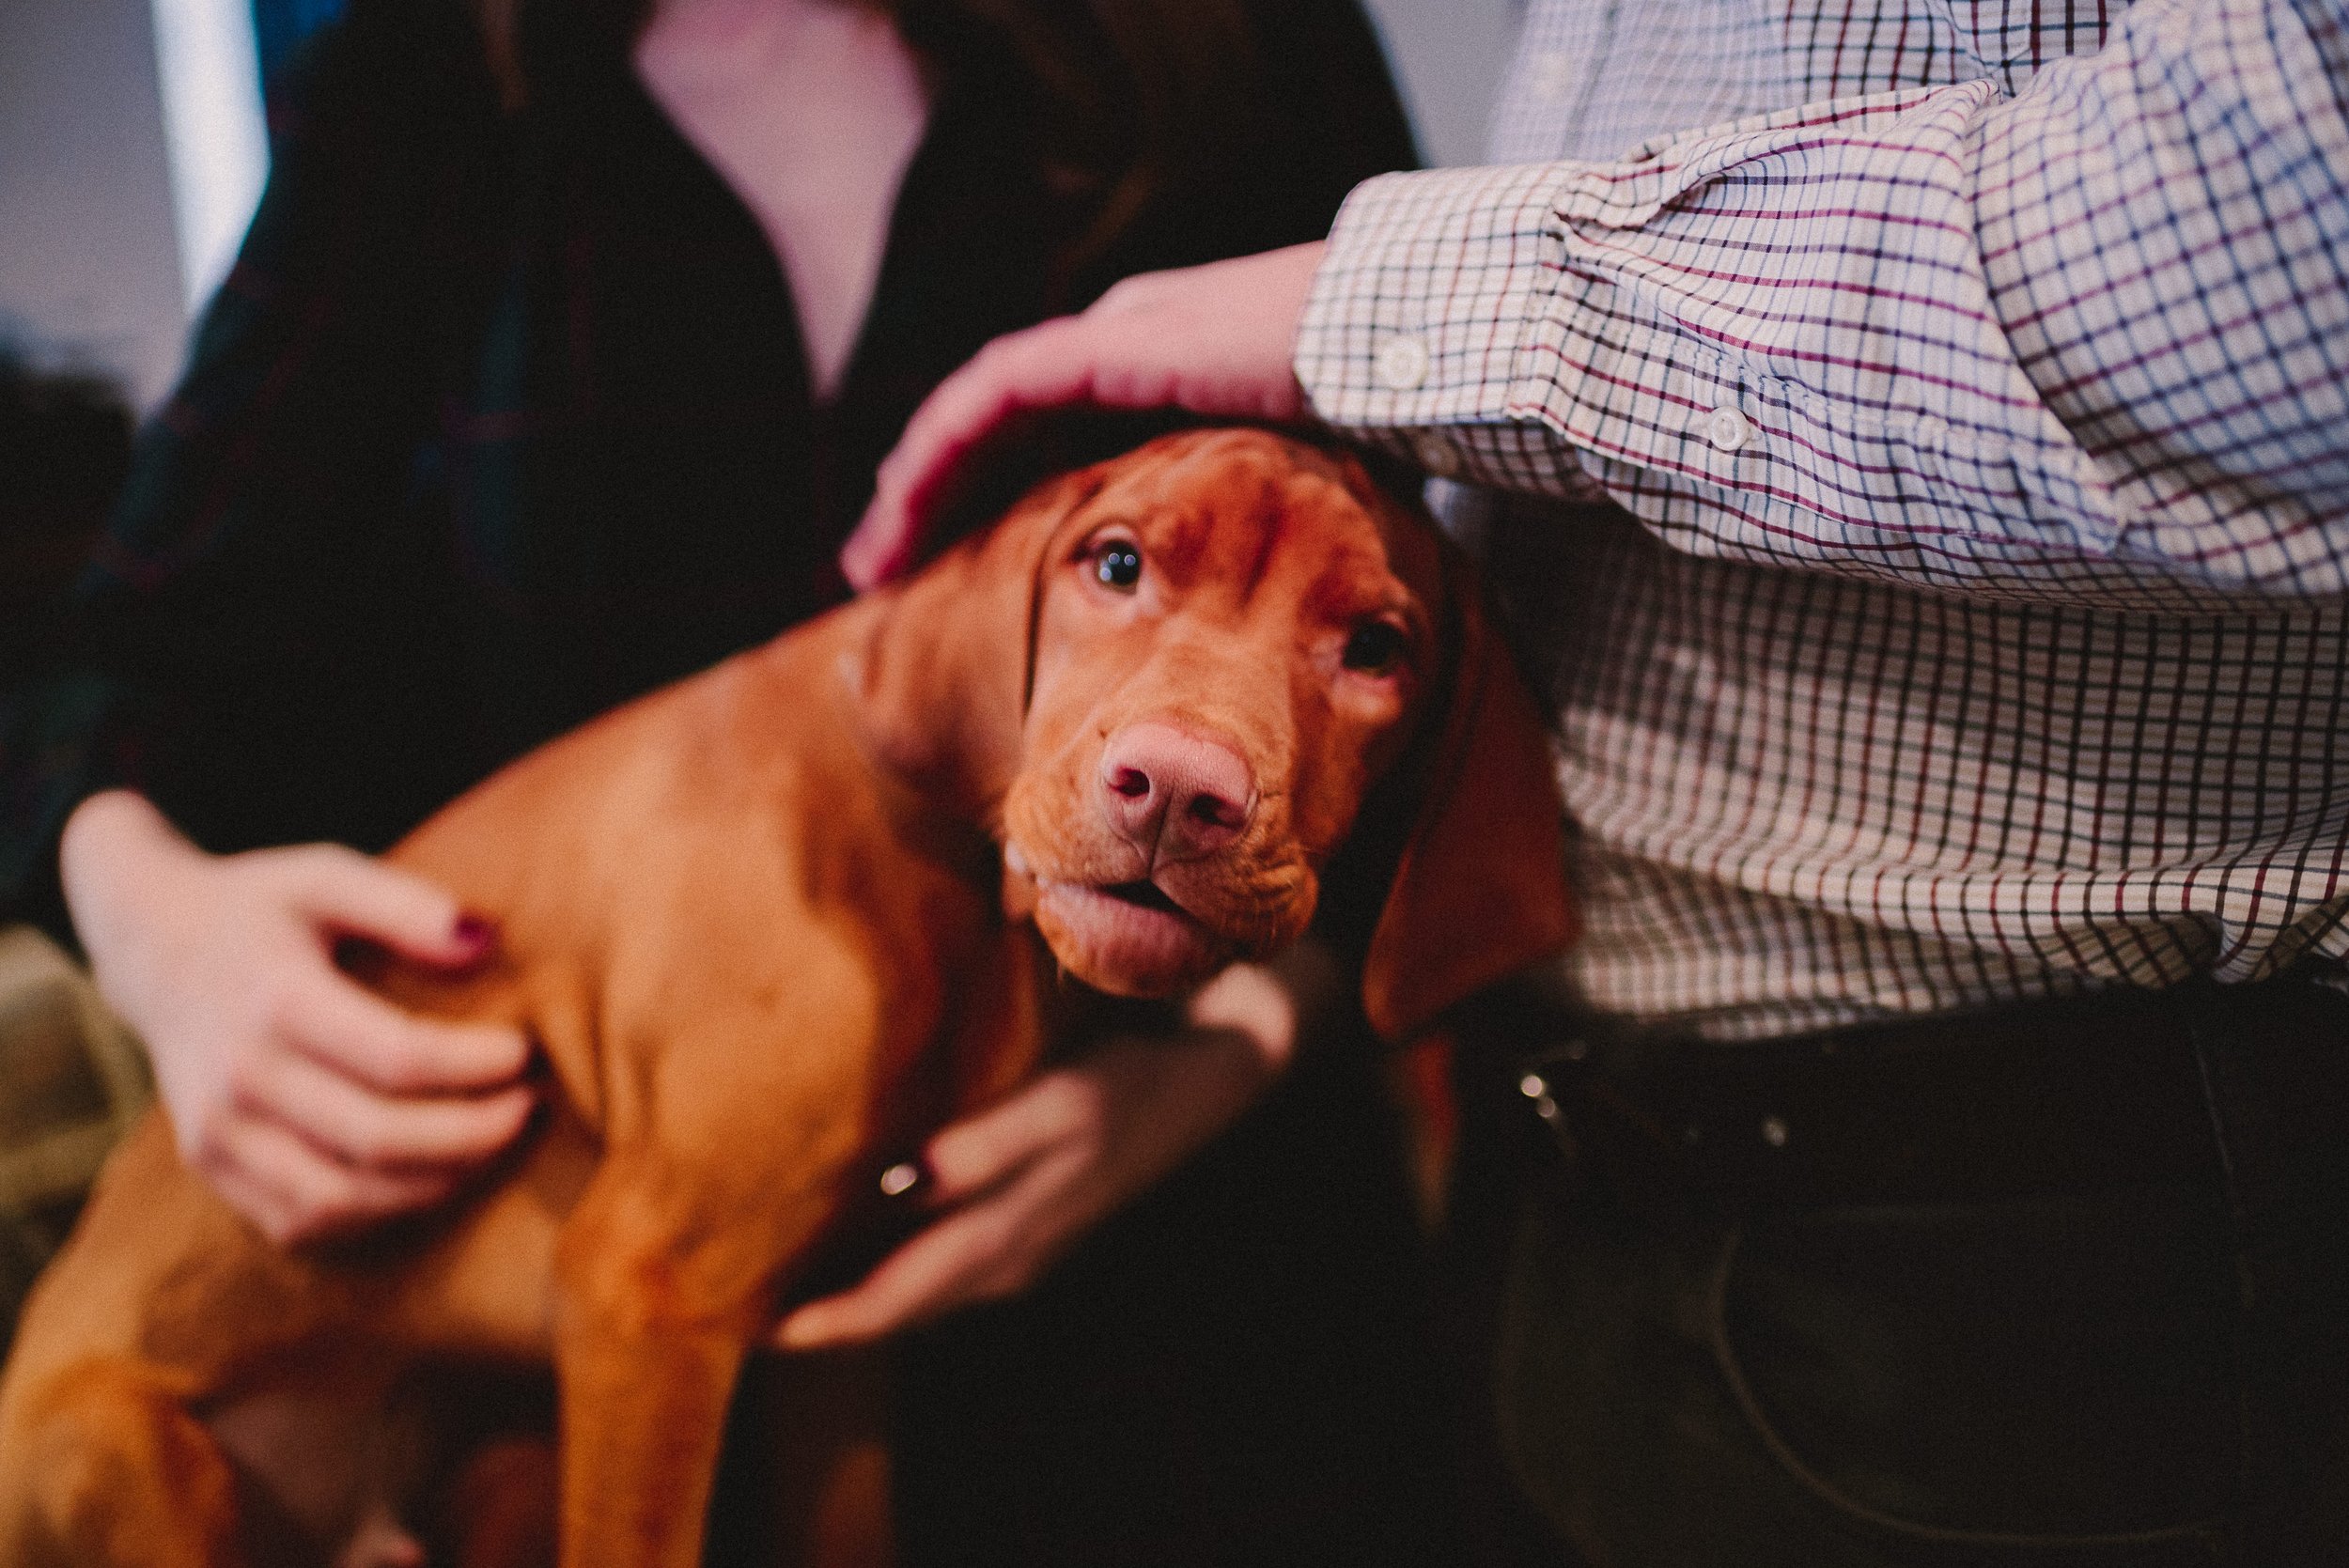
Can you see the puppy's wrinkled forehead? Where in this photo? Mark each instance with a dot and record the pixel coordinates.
(1238, 508)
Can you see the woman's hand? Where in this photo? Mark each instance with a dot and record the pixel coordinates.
(1019, 1184)
(311, 1105)
(1215, 340)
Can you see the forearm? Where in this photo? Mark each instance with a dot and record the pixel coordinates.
(1018, 1184)
(114, 856)
(1829, 338)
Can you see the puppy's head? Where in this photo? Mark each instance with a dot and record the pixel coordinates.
(1169, 684)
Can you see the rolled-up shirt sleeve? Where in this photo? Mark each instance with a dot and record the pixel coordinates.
(2091, 339)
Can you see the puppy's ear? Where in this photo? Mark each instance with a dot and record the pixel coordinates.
(942, 684)
(1480, 891)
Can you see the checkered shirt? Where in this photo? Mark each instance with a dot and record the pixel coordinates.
(1923, 487)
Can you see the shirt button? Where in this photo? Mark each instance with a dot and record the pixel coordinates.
(1437, 454)
(1402, 363)
(1728, 430)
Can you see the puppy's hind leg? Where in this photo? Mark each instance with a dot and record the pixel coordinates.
(107, 1468)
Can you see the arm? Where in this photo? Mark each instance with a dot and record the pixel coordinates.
(217, 623)
(226, 598)
(2083, 344)
(1020, 1184)
(2087, 342)
(127, 688)
(237, 594)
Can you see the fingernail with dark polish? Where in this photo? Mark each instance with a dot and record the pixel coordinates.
(475, 934)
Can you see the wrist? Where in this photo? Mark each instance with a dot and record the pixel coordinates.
(114, 855)
(104, 834)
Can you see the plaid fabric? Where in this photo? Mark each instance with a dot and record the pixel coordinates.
(1925, 492)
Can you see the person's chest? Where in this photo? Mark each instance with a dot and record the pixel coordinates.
(625, 475)
(630, 418)
(810, 111)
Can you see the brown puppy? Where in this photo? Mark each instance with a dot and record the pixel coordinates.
(771, 926)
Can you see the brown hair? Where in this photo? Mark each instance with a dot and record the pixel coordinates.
(1139, 96)
(1141, 102)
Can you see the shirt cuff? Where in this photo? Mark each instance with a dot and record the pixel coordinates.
(1414, 336)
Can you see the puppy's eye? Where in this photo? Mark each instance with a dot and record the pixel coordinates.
(1118, 566)
(1374, 648)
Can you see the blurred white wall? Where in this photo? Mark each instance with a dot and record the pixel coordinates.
(89, 264)
(1450, 54)
(215, 130)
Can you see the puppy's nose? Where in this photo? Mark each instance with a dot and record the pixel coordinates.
(1174, 795)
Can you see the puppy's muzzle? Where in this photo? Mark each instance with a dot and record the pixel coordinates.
(1175, 796)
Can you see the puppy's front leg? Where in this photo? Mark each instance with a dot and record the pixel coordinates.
(661, 1292)
(666, 1271)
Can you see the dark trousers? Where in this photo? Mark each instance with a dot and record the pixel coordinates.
(1236, 1372)
(1937, 1337)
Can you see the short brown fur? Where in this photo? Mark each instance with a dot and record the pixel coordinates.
(757, 923)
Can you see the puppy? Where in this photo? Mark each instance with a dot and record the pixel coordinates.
(774, 924)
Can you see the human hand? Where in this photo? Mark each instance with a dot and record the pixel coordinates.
(1215, 340)
(311, 1106)
(1019, 1183)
